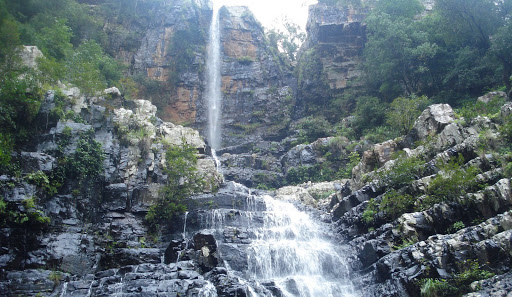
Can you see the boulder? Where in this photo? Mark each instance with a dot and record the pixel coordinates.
(492, 95)
(432, 121)
(29, 56)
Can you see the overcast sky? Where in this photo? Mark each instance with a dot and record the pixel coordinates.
(268, 11)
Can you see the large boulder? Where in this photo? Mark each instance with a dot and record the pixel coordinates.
(432, 121)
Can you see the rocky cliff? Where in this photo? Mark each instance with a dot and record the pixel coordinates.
(169, 63)
(329, 59)
(256, 82)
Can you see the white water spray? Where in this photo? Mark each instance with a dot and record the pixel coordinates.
(213, 86)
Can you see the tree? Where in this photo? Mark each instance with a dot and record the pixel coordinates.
(404, 111)
(370, 113)
(502, 48)
(182, 181)
(55, 39)
(287, 41)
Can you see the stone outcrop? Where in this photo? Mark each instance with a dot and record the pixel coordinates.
(442, 240)
(256, 82)
(328, 60)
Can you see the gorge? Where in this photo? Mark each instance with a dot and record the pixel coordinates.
(243, 172)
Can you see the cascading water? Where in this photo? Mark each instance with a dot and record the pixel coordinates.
(213, 82)
(283, 248)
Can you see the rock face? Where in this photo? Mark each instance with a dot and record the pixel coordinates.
(328, 60)
(443, 240)
(257, 94)
(256, 82)
(170, 56)
(132, 142)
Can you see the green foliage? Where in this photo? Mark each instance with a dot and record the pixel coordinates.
(86, 163)
(451, 182)
(312, 128)
(506, 130)
(473, 109)
(287, 41)
(458, 285)
(405, 243)
(9, 40)
(90, 69)
(182, 181)
(391, 206)
(436, 288)
(346, 172)
(25, 215)
(370, 113)
(55, 39)
(402, 173)
(372, 209)
(457, 226)
(245, 60)
(317, 173)
(55, 277)
(404, 111)
(41, 180)
(6, 147)
(446, 54)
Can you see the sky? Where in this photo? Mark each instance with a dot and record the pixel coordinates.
(269, 12)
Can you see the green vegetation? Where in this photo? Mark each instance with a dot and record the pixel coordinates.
(402, 173)
(450, 183)
(458, 285)
(25, 215)
(451, 54)
(182, 181)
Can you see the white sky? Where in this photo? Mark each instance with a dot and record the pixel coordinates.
(269, 12)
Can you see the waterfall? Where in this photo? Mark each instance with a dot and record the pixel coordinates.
(282, 246)
(213, 82)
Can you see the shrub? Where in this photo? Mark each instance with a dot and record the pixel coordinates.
(87, 161)
(436, 288)
(245, 60)
(451, 182)
(477, 108)
(312, 128)
(402, 173)
(182, 181)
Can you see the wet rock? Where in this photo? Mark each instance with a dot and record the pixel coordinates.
(33, 162)
(207, 246)
(497, 286)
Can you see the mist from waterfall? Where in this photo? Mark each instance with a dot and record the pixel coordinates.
(213, 82)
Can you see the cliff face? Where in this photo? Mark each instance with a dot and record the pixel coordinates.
(257, 98)
(170, 58)
(170, 64)
(329, 58)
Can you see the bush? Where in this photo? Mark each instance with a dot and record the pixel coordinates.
(87, 161)
(473, 109)
(402, 173)
(182, 181)
(312, 128)
(436, 288)
(451, 182)
(26, 215)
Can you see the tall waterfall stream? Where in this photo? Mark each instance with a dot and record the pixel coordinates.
(284, 247)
